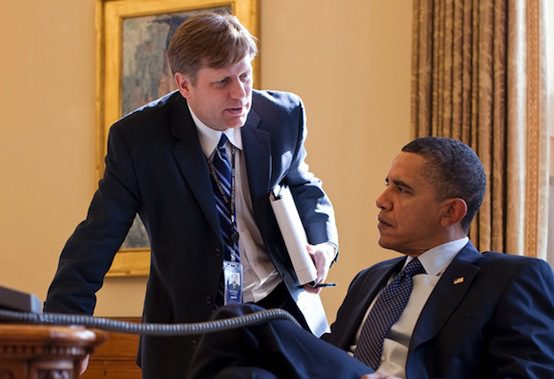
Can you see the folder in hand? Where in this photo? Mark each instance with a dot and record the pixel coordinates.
(293, 233)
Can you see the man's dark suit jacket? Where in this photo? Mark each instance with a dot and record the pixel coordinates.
(490, 315)
(155, 167)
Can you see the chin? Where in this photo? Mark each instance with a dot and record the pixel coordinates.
(236, 123)
(387, 245)
(234, 126)
(383, 244)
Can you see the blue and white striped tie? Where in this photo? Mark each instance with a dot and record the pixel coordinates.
(223, 191)
(223, 188)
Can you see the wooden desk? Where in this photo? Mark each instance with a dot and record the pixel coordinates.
(115, 359)
(44, 352)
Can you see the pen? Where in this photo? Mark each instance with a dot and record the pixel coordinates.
(321, 285)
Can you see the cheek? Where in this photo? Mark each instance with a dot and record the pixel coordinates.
(249, 95)
(423, 222)
(214, 105)
(411, 220)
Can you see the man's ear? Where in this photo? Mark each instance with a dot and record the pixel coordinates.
(183, 84)
(454, 211)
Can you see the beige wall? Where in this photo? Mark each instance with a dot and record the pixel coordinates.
(350, 63)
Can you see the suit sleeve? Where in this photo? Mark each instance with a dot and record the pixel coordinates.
(347, 319)
(313, 205)
(522, 343)
(89, 252)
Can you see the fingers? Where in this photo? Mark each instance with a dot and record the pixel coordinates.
(321, 261)
(311, 289)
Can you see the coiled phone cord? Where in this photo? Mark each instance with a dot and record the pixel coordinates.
(146, 329)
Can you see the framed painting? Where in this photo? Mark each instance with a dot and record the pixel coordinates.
(132, 38)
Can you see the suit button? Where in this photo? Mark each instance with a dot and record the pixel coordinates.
(209, 299)
(194, 342)
(218, 252)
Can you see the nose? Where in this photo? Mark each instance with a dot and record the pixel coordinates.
(238, 90)
(382, 202)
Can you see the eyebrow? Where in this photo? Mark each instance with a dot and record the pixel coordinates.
(400, 183)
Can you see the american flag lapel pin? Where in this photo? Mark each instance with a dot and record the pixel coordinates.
(458, 280)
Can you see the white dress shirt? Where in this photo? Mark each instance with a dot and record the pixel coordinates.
(395, 347)
(259, 274)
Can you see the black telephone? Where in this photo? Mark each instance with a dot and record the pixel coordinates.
(19, 301)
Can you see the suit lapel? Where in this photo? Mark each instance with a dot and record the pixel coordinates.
(257, 155)
(192, 162)
(374, 283)
(360, 300)
(449, 291)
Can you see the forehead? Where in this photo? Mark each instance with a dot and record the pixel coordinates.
(245, 64)
(408, 167)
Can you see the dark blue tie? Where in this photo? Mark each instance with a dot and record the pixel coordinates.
(385, 312)
(222, 183)
(223, 188)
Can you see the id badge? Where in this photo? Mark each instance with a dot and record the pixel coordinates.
(232, 272)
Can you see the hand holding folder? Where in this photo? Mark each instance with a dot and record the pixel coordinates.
(293, 233)
(296, 243)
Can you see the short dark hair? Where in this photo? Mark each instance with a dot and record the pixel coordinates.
(209, 39)
(454, 169)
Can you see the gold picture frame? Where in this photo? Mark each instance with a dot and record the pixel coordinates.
(123, 28)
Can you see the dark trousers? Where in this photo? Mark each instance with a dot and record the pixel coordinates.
(280, 298)
(273, 349)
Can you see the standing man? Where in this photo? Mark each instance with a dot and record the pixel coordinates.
(442, 310)
(197, 165)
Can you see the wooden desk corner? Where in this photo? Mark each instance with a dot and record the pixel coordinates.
(45, 352)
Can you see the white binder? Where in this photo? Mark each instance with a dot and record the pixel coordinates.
(293, 233)
(295, 241)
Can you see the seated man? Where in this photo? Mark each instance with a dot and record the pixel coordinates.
(441, 310)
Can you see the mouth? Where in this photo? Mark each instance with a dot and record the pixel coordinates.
(237, 111)
(383, 222)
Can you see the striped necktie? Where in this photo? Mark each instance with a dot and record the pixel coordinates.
(385, 312)
(222, 183)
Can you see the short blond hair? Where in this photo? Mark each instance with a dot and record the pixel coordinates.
(209, 40)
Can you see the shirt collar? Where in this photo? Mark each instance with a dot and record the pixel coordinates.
(209, 138)
(437, 259)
